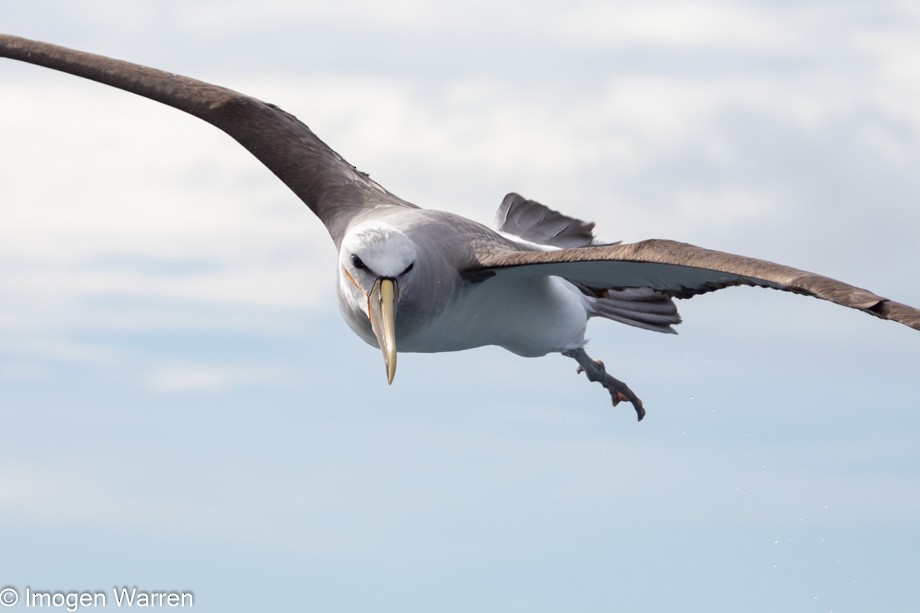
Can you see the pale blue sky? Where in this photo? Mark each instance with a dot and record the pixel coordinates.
(184, 409)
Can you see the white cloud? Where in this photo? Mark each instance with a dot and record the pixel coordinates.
(685, 24)
(210, 378)
(896, 83)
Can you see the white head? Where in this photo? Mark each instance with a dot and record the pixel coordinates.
(384, 250)
(370, 252)
(375, 264)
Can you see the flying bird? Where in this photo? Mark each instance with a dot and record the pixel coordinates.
(422, 280)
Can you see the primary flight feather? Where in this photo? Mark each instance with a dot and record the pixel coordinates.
(428, 281)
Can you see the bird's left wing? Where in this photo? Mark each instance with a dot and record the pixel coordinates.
(679, 270)
(333, 189)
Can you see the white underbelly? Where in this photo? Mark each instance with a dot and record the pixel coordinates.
(530, 318)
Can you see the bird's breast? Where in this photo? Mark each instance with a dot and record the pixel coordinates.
(530, 317)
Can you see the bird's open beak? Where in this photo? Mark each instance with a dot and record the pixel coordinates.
(381, 308)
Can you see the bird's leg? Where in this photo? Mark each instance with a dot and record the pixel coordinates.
(595, 371)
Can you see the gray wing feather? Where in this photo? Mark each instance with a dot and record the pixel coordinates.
(333, 189)
(539, 224)
(681, 271)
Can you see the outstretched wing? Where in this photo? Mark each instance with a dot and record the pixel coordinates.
(679, 270)
(333, 189)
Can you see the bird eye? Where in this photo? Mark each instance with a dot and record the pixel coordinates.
(408, 268)
(358, 262)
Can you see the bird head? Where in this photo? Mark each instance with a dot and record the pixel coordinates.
(376, 264)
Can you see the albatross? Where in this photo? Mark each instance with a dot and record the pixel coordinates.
(423, 280)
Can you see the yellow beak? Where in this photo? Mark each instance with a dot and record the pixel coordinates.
(381, 308)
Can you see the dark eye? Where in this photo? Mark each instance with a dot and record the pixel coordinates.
(408, 268)
(358, 262)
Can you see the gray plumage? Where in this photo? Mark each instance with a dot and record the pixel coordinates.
(440, 282)
(535, 223)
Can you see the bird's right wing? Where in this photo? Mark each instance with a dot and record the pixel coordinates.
(675, 269)
(333, 189)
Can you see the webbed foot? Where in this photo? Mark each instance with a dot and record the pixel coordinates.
(595, 371)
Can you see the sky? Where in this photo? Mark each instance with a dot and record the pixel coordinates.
(184, 410)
